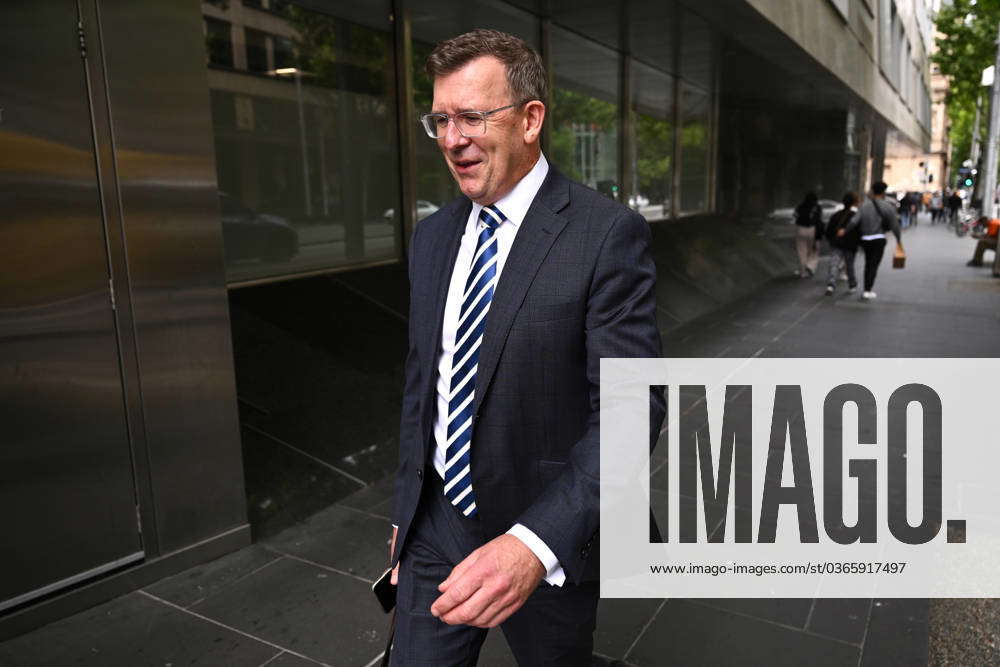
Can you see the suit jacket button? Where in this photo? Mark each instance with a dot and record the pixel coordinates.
(420, 474)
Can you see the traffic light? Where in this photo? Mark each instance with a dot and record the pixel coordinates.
(965, 176)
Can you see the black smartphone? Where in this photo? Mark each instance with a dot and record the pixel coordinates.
(385, 591)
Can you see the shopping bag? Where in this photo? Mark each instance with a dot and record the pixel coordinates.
(899, 257)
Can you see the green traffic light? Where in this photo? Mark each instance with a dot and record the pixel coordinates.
(968, 182)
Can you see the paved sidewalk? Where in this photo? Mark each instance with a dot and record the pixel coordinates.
(301, 597)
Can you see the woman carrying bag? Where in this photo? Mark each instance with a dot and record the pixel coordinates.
(808, 229)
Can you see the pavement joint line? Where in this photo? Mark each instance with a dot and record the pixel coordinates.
(320, 565)
(797, 321)
(793, 628)
(238, 580)
(607, 657)
(667, 312)
(868, 624)
(378, 304)
(272, 658)
(659, 465)
(320, 461)
(230, 628)
(374, 661)
(373, 515)
(643, 630)
(812, 607)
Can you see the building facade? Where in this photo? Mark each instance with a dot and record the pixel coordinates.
(174, 170)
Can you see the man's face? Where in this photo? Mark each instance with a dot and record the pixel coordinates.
(486, 167)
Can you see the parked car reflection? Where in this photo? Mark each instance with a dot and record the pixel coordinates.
(827, 206)
(424, 209)
(251, 235)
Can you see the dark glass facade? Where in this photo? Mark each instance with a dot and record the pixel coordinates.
(310, 146)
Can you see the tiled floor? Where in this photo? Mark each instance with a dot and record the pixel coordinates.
(299, 595)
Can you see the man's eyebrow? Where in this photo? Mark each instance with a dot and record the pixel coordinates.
(462, 110)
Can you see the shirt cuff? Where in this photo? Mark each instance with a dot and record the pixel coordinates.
(554, 574)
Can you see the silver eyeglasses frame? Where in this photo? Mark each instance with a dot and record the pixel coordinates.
(428, 120)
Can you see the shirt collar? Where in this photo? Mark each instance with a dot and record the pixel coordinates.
(515, 204)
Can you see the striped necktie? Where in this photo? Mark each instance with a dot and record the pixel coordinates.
(476, 300)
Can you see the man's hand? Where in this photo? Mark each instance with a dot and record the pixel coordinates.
(394, 577)
(841, 232)
(490, 584)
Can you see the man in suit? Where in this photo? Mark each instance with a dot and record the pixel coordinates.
(517, 290)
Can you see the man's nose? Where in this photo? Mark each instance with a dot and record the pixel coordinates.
(453, 138)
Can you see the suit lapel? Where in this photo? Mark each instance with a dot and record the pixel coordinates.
(539, 230)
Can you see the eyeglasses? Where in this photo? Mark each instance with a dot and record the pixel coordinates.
(469, 123)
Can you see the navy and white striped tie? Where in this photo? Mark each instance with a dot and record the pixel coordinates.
(476, 300)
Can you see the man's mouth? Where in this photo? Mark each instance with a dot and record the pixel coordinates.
(465, 166)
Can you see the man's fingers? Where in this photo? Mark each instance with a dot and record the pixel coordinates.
(459, 570)
(473, 608)
(394, 577)
(458, 592)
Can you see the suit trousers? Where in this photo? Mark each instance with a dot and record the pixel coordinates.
(554, 627)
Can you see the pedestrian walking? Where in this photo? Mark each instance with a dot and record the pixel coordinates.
(873, 219)
(937, 205)
(954, 204)
(808, 222)
(905, 207)
(844, 246)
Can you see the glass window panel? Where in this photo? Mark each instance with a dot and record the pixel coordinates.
(594, 19)
(652, 123)
(652, 28)
(583, 118)
(218, 42)
(697, 50)
(256, 50)
(307, 160)
(284, 52)
(696, 138)
(431, 23)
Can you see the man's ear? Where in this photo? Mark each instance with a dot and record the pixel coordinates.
(534, 116)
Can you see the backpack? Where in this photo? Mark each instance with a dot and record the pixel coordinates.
(838, 221)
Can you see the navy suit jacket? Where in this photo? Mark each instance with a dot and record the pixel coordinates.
(578, 285)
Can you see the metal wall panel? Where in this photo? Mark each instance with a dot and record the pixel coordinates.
(67, 499)
(158, 96)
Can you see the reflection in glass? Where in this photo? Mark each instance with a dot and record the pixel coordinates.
(697, 58)
(306, 142)
(696, 123)
(218, 42)
(432, 22)
(256, 50)
(584, 112)
(653, 110)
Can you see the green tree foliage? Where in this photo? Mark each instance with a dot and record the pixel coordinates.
(654, 140)
(966, 46)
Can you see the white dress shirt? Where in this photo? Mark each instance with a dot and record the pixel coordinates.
(514, 206)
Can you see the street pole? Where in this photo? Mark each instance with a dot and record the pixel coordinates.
(974, 156)
(991, 152)
(990, 182)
